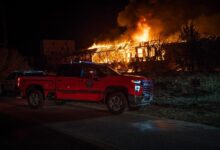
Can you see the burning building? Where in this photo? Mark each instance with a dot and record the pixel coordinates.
(135, 46)
(150, 26)
(128, 52)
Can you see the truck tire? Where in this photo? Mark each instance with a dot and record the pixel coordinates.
(35, 98)
(116, 103)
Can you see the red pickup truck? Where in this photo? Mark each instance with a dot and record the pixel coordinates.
(88, 82)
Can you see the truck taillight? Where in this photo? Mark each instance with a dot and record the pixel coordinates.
(18, 82)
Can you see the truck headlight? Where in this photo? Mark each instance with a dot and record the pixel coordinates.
(137, 88)
(136, 81)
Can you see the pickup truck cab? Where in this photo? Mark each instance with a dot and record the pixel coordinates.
(88, 82)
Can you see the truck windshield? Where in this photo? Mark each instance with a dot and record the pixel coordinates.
(108, 71)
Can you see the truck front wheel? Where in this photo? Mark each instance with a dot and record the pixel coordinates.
(35, 98)
(116, 103)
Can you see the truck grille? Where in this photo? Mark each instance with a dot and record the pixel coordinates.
(147, 86)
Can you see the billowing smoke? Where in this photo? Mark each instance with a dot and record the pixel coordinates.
(165, 17)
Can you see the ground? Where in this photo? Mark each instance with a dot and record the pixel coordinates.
(209, 114)
(91, 126)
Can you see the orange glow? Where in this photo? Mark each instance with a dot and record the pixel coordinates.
(126, 51)
(142, 32)
(98, 46)
(109, 45)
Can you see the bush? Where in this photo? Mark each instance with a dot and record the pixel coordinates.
(181, 89)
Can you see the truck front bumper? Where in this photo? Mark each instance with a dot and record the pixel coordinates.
(139, 100)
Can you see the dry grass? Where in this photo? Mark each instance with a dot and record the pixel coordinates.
(176, 98)
(178, 90)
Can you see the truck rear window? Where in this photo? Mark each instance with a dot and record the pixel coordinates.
(69, 71)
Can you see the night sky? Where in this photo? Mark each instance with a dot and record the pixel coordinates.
(30, 22)
(85, 21)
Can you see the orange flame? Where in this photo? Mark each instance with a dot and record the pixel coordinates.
(110, 45)
(142, 32)
(124, 50)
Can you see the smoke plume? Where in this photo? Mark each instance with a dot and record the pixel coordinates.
(165, 17)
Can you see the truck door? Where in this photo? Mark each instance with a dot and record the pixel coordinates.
(69, 82)
(93, 83)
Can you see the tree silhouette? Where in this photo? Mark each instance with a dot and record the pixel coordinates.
(190, 35)
(189, 32)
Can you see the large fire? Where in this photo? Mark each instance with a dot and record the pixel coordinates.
(142, 31)
(124, 50)
(140, 34)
